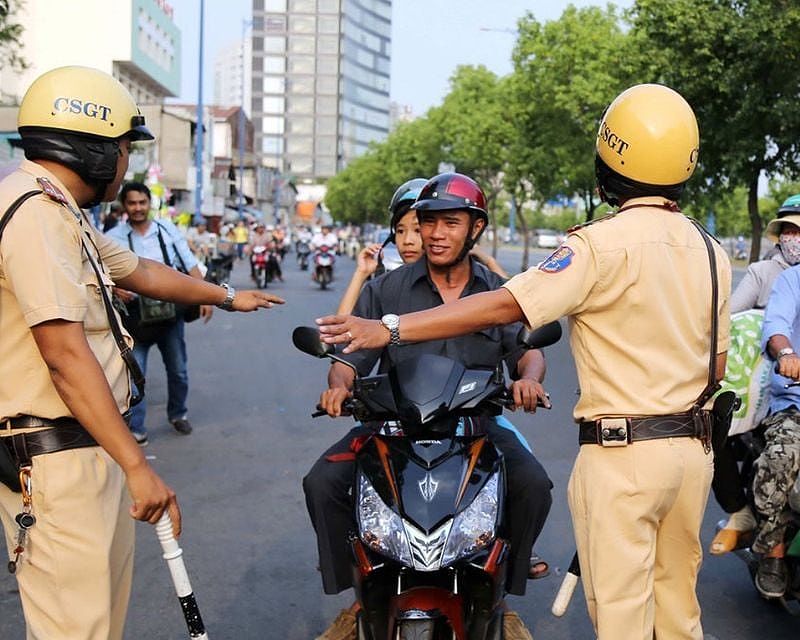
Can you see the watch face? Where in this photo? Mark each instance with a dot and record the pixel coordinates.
(391, 320)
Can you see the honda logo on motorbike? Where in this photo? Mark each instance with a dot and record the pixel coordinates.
(428, 487)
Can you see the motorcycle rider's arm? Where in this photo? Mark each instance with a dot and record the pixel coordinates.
(527, 391)
(340, 382)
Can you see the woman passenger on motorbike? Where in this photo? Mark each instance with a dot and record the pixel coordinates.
(752, 293)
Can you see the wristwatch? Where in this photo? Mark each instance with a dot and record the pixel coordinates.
(786, 351)
(227, 303)
(392, 322)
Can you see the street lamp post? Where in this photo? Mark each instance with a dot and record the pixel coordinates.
(198, 147)
(245, 23)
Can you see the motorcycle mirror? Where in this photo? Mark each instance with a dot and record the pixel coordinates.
(544, 336)
(307, 340)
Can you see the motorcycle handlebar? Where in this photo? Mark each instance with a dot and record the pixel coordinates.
(347, 409)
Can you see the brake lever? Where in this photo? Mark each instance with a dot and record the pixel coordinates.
(347, 410)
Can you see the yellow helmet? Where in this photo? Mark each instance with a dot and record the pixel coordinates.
(84, 101)
(649, 135)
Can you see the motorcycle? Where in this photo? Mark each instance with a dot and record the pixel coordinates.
(429, 487)
(323, 266)
(265, 265)
(219, 268)
(303, 250)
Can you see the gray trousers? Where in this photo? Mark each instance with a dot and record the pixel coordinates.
(776, 486)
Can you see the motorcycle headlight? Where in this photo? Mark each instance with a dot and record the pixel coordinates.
(475, 527)
(380, 527)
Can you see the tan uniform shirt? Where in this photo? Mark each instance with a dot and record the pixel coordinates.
(637, 290)
(45, 275)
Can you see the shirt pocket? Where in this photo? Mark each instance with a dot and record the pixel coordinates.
(96, 319)
(482, 349)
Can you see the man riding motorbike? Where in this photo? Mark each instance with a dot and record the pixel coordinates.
(452, 216)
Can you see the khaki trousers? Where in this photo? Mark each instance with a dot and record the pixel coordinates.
(637, 512)
(75, 574)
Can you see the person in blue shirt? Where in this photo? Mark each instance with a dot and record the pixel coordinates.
(777, 468)
(161, 241)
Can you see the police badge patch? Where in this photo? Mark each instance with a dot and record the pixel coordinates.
(559, 260)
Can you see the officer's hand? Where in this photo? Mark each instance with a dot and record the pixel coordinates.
(206, 311)
(251, 300)
(151, 496)
(789, 366)
(355, 333)
(527, 393)
(332, 399)
(124, 295)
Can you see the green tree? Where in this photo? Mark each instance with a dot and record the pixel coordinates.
(11, 37)
(566, 72)
(735, 61)
(475, 132)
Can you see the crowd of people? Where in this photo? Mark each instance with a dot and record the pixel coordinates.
(646, 292)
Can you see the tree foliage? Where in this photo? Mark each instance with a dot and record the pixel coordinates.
(11, 37)
(530, 135)
(736, 62)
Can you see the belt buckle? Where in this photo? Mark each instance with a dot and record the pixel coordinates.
(613, 432)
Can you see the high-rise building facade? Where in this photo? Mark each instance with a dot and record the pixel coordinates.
(232, 75)
(320, 82)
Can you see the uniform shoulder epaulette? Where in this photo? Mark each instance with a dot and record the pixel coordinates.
(578, 227)
(52, 191)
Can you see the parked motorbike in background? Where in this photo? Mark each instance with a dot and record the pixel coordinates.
(323, 265)
(428, 554)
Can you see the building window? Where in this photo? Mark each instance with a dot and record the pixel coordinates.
(274, 85)
(300, 146)
(301, 44)
(302, 6)
(328, 44)
(273, 124)
(327, 65)
(273, 5)
(326, 105)
(302, 164)
(328, 6)
(302, 126)
(301, 64)
(301, 85)
(328, 24)
(325, 145)
(258, 63)
(302, 24)
(327, 84)
(273, 44)
(301, 105)
(271, 146)
(326, 166)
(274, 105)
(274, 64)
(326, 126)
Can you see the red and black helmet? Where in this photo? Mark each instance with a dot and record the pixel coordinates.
(449, 191)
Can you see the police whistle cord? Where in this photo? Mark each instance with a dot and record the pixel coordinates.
(567, 588)
(173, 555)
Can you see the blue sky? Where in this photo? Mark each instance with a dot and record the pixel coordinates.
(430, 38)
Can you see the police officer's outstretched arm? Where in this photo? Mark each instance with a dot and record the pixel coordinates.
(82, 385)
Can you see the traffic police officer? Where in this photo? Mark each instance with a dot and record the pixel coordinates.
(637, 288)
(65, 385)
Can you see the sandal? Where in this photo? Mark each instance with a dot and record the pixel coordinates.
(539, 568)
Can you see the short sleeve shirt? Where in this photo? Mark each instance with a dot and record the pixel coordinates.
(637, 290)
(408, 289)
(45, 275)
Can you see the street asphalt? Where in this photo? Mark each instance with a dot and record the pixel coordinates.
(248, 545)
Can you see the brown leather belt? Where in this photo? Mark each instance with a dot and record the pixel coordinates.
(619, 432)
(59, 435)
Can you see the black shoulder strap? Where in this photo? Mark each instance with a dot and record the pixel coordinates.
(713, 385)
(13, 209)
(127, 355)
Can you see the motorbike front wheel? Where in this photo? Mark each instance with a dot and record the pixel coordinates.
(261, 278)
(416, 630)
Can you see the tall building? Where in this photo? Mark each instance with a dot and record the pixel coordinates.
(136, 41)
(232, 75)
(320, 82)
